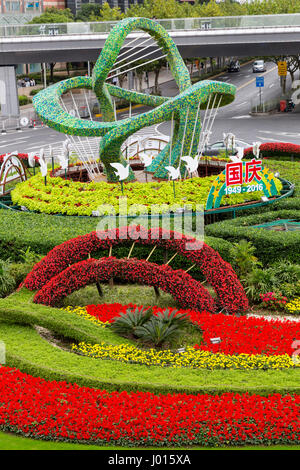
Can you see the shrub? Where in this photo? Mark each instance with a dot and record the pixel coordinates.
(243, 257)
(7, 282)
(23, 99)
(273, 301)
(275, 149)
(270, 245)
(42, 232)
(126, 324)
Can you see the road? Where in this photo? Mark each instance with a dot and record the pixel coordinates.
(280, 127)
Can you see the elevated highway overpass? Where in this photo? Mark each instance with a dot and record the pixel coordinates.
(195, 37)
(261, 35)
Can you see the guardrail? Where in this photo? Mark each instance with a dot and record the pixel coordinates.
(210, 23)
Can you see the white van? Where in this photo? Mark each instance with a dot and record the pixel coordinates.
(259, 66)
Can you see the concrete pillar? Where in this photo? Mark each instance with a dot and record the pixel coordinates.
(130, 80)
(9, 99)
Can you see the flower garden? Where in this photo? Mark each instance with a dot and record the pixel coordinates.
(81, 362)
(99, 325)
(114, 332)
(96, 325)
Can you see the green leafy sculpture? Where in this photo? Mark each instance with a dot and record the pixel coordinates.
(183, 108)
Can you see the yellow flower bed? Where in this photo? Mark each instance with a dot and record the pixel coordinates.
(190, 358)
(81, 312)
(293, 307)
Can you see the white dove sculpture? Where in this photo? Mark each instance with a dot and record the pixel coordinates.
(173, 172)
(145, 159)
(66, 144)
(122, 171)
(229, 140)
(239, 156)
(191, 163)
(256, 149)
(44, 167)
(42, 155)
(31, 160)
(63, 161)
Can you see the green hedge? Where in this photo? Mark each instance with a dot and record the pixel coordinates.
(42, 232)
(270, 245)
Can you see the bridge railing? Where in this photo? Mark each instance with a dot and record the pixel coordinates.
(213, 23)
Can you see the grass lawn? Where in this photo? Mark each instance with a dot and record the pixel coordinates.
(12, 442)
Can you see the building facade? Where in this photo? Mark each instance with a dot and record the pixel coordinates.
(34, 7)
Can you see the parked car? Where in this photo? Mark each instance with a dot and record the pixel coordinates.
(218, 147)
(234, 66)
(259, 66)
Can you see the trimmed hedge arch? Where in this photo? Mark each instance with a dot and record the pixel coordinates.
(188, 292)
(218, 273)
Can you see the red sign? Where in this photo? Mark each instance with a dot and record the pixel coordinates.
(234, 172)
(252, 169)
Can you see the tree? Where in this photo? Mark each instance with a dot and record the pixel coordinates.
(87, 10)
(107, 13)
(53, 15)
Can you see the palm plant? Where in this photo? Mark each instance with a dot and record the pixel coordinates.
(127, 323)
(162, 327)
(157, 331)
(258, 282)
(243, 257)
(171, 318)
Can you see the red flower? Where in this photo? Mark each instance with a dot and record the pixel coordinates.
(68, 412)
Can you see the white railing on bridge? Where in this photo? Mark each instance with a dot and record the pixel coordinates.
(221, 22)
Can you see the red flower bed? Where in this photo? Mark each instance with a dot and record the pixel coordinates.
(67, 412)
(218, 273)
(275, 149)
(242, 335)
(187, 291)
(239, 335)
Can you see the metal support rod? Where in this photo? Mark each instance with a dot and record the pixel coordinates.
(134, 53)
(151, 252)
(130, 251)
(140, 65)
(191, 267)
(171, 259)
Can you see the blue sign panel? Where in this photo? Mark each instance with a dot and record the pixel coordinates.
(260, 82)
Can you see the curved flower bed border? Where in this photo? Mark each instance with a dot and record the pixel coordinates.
(270, 346)
(239, 335)
(190, 358)
(218, 273)
(187, 291)
(66, 412)
(275, 149)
